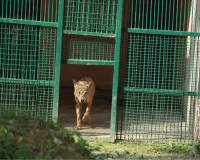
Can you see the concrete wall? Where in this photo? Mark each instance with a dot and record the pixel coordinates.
(102, 75)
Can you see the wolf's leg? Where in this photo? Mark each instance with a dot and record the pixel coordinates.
(86, 116)
(78, 114)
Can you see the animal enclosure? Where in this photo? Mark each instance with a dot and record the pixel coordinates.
(143, 56)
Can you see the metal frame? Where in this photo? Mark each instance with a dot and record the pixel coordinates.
(53, 83)
(58, 59)
(114, 63)
(117, 36)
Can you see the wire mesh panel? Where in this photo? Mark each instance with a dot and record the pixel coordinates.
(29, 72)
(159, 70)
(90, 15)
(158, 83)
(27, 69)
(171, 15)
(78, 47)
(156, 117)
(37, 10)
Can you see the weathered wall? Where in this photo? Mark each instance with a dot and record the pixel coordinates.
(102, 75)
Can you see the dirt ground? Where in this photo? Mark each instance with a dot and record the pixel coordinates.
(100, 112)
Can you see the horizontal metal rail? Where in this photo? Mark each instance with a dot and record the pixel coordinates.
(159, 91)
(87, 62)
(160, 32)
(89, 33)
(29, 22)
(27, 82)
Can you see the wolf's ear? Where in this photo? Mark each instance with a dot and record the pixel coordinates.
(89, 84)
(74, 82)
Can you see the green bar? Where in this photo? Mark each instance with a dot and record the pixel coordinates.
(29, 22)
(158, 91)
(58, 59)
(108, 15)
(116, 70)
(87, 62)
(102, 16)
(89, 33)
(160, 32)
(27, 81)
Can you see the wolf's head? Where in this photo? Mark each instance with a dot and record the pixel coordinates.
(82, 90)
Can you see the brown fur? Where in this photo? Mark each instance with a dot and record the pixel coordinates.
(84, 91)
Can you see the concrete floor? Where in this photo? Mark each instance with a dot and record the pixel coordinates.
(100, 112)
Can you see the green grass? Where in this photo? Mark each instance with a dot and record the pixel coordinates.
(134, 150)
(16, 130)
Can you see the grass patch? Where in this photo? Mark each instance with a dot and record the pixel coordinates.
(27, 137)
(139, 150)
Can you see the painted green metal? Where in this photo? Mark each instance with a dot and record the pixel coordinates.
(91, 16)
(88, 33)
(36, 10)
(158, 82)
(94, 49)
(160, 91)
(93, 38)
(160, 32)
(29, 22)
(58, 59)
(28, 52)
(116, 71)
(27, 81)
(157, 48)
(87, 62)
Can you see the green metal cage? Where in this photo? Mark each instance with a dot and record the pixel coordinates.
(30, 56)
(152, 44)
(98, 16)
(159, 71)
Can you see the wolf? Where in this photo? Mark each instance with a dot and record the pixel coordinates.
(84, 91)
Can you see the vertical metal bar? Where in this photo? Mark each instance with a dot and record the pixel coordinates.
(37, 6)
(166, 15)
(14, 10)
(180, 17)
(177, 15)
(161, 16)
(158, 14)
(56, 10)
(58, 59)
(2, 4)
(173, 16)
(83, 14)
(169, 15)
(78, 13)
(150, 15)
(72, 13)
(108, 15)
(135, 15)
(113, 15)
(6, 9)
(48, 10)
(143, 14)
(154, 15)
(116, 70)
(10, 9)
(102, 16)
(68, 13)
(22, 8)
(147, 14)
(25, 5)
(45, 10)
